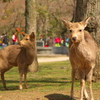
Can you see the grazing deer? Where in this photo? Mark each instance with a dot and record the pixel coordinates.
(83, 50)
(18, 55)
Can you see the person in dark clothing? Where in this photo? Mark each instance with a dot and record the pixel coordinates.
(4, 40)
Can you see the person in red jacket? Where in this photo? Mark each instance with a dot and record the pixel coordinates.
(14, 38)
(57, 41)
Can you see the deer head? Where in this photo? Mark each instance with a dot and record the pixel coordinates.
(28, 41)
(76, 30)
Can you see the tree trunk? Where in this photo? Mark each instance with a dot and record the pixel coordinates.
(31, 27)
(80, 10)
(86, 8)
(94, 28)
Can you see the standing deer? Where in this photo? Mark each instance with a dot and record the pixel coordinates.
(18, 55)
(82, 53)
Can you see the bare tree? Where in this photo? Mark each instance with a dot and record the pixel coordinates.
(31, 27)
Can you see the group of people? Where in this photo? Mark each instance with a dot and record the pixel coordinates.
(57, 42)
(61, 42)
(4, 40)
(48, 42)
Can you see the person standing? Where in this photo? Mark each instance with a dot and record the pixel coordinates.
(57, 41)
(50, 41)
(14, 38)
(4, 40)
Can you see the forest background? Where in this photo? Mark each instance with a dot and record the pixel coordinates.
(49, 15)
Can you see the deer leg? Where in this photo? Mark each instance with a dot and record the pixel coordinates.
(25, 80)
(3, 80)
(82, 84)
(73, 79)
(90, 89)
(89, 78)
(20, 82)
(85, 93)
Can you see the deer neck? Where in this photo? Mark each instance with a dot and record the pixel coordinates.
(80, 45)
(30, 53)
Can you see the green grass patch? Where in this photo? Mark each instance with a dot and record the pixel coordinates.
(51, 76)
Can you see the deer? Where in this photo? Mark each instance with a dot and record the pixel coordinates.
(21, 56)
(82, 54)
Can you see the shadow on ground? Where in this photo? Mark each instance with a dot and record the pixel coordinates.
(58, 97)
(13, 84)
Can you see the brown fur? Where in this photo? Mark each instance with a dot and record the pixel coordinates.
(83, 50)
(18, 55)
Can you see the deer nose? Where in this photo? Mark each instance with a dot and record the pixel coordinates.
(74, 38)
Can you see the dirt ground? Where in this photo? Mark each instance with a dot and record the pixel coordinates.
(36, 95)
(52, 58)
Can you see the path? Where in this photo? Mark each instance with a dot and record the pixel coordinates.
(52, 58)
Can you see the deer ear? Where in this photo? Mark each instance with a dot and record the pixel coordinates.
(85, 21)
(32, 35)
(66, 23)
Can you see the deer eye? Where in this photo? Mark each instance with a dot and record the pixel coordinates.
(26, 39)
(80, 30)
(70, 31)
